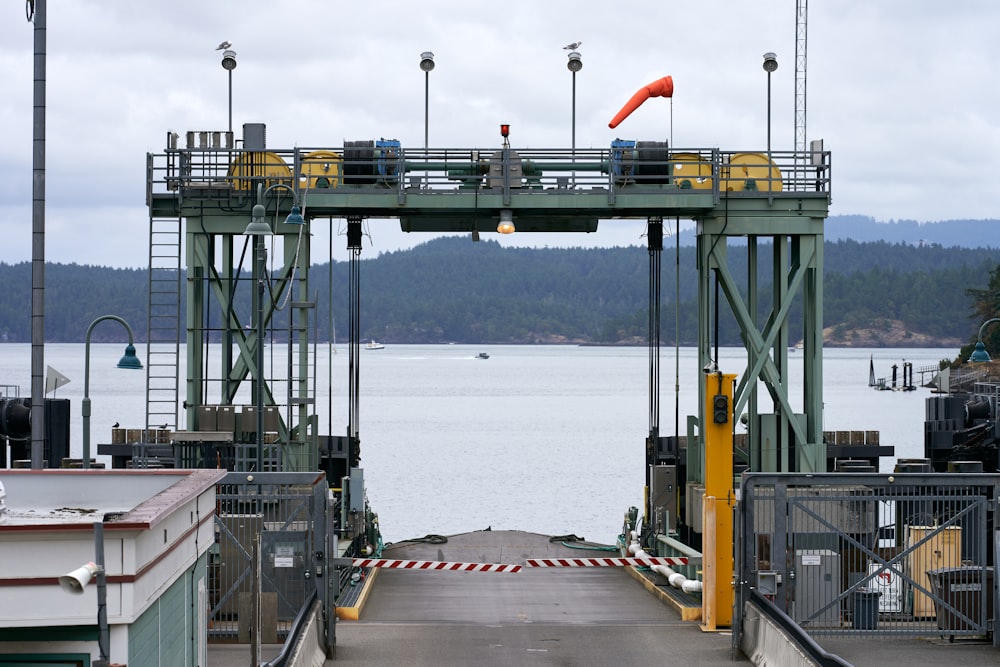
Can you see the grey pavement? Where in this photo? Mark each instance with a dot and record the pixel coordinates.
(238, 655)
(875, 652)
(566, 616)
(539, 616)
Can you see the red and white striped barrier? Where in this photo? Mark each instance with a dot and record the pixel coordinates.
(605, 562)
(389, 563)
(435, 565)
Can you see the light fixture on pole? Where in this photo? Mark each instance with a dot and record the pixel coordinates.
(128, 361)
(257, 230)
(979, 354)
(770, 64)
(574, 65)
(229, 64)
(506, 225)
(426, 64)
(258, 225)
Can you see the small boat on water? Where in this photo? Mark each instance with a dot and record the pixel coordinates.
(372, 345)
(482, 355)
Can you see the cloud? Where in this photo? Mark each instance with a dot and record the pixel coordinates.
(897, 89)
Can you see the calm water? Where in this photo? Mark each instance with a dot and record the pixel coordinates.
(540, 438)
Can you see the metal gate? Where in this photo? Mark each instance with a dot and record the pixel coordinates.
(283, 516)
(846, 553)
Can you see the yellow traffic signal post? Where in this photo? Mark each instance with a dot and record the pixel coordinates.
(720, 499)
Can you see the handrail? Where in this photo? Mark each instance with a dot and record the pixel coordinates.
(281, 660)
(210, 172)
(795, 633)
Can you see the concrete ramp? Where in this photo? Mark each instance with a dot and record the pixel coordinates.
(574, 615)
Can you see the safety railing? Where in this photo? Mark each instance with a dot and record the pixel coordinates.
(275, 523)
(856, 553)
(303, 624)
(384, 166)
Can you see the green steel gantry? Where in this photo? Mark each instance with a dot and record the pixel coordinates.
(201, 197)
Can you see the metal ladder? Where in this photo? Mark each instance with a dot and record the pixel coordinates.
(163, 323)
(301, 418)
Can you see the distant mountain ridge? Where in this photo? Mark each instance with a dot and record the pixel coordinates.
(948, 233)
(864, 229)
(882, 292)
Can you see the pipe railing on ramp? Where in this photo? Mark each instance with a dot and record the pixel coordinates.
(779, 640)
(305, 644)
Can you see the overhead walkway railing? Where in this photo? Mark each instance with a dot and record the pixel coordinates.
(391, 179)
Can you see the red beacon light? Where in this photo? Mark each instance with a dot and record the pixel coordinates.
(504, 130)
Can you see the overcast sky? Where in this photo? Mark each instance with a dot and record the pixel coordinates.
(903, 92)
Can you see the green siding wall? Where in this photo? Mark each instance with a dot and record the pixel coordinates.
(144, 638)
(166, 634)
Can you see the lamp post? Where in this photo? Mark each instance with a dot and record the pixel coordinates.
(229, 64)
(257, 230)
(979, 354)
(426, 64)
(37, 13)
(128, 360)
(574, 65)
(770, 64)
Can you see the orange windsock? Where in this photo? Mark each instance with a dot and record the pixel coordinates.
(660, 88)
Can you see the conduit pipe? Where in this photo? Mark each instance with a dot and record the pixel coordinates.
(676, 579)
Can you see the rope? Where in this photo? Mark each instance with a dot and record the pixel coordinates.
(567, 541)
(595, 547)
(428, 539)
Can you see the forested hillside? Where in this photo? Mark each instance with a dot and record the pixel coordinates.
(452, 290)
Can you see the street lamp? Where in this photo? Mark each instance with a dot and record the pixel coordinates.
(770, 64)
(574, 65)
(229, 64)
(257, 230)
(426, 64)
(129, 361)
(37, 12)
(980, 354)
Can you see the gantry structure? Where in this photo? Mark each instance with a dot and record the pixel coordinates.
(204, 189)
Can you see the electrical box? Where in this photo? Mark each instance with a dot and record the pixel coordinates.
(357, 490)
(767, 582)
(663, 497)
(225, 418)
(254, 136)
(817, 585)
(208, 417)
(514, 173)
